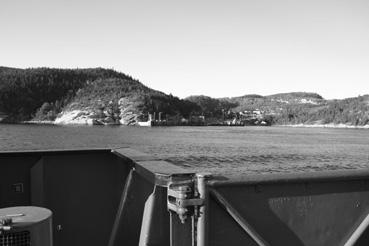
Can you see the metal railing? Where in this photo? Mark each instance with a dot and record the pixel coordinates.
(131, 198)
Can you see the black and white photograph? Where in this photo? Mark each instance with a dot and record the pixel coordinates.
(184, 123)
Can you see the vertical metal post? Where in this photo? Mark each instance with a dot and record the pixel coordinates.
(147, 226)
(202, 220)
(155, 220)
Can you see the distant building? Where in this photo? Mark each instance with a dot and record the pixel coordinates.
(251, 114)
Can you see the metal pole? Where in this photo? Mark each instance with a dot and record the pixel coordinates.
(147, 226)
(122, 205)
(202, 220)
(358, 232)
(155, 219)
(238, 218)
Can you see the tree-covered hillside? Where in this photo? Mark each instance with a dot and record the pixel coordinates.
(211, 107)
(351, 111)
(110, 96)
(42, 93)
(23, 91)
(292, 108)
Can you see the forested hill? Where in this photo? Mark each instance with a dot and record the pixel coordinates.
(42, 93)
(308, 108)
(291, 108)
(78, 95)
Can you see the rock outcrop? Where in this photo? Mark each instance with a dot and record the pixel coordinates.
(77, 117)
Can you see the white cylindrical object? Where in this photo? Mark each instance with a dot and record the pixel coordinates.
(26, 226)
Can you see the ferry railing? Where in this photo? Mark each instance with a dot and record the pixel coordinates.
(318, 208)
(81, 187)
(125, 197)
(158, 225)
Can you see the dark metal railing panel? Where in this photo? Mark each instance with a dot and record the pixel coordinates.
(223, 229)
(321, 208)
(308, 213)
(15, 185)
(128, 220)
(121, 208)
(83, 191)
(81, 187)
(237, 217)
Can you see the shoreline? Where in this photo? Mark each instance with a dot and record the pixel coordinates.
(336, 126)
(38, 122)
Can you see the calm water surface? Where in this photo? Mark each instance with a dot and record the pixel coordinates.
(223, 150)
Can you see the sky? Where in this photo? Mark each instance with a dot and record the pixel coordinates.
(216, 48)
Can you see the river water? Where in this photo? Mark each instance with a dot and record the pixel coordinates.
(225, 150)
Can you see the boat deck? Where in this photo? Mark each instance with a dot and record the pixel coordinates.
(125, 197)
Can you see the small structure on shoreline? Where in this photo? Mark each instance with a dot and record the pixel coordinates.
(2, 116)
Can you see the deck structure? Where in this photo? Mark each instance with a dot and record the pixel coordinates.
(124, 197)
